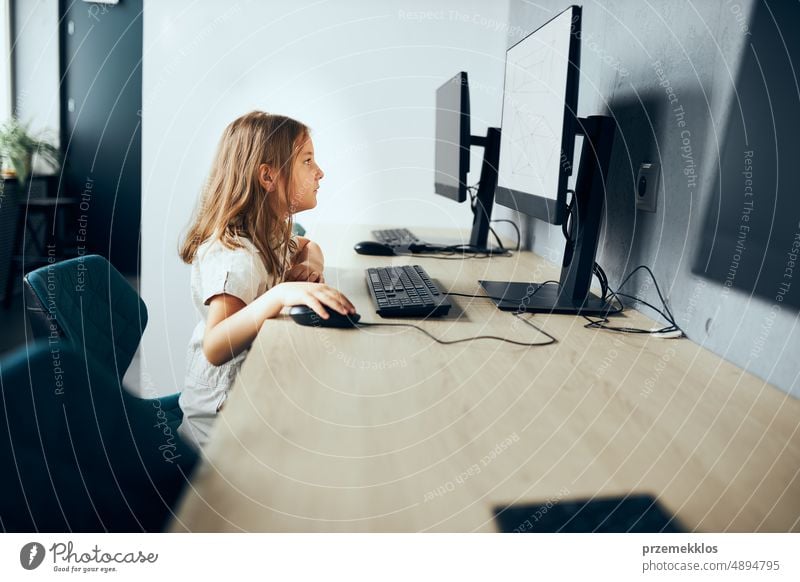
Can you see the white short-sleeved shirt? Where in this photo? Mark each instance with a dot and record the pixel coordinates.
(216, 269)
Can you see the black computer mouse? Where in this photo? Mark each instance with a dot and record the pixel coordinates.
(304, 315)
(372, 247)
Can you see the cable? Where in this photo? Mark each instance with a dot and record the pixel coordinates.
(516, 314)
(451, 256)
(671, 317)
(600, 324)
(473, 199)
(516, 228)
(449, 252)
(597, 270)
(666, 313)
(453, 252)
(601, 277)
(643, 302)
(468, 339)
(497, 238)
(566, 226)
(423, 247)
(473, 203)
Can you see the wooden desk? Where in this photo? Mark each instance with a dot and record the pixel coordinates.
(380, 429)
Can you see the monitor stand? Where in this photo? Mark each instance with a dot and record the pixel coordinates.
(538, 298)
(572, 295)
(485, 198)
(479, 236)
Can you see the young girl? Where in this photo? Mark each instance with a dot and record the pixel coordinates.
(246, 266)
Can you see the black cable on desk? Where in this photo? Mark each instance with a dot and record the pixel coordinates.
(607, 292)
(448, 256)
(458, 252)
(666, 313)
(492, 337)
(467, 339)
(518, 315)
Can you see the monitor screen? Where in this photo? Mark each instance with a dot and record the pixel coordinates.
(452, 138)
(539, 104)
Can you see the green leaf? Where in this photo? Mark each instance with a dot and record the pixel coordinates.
(17, 148)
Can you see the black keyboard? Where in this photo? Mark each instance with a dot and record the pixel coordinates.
(395, 237)
(405, 292)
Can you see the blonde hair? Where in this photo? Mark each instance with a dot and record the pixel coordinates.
(234, 204)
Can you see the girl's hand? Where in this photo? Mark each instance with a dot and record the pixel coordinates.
(305, 272)
(315, 295)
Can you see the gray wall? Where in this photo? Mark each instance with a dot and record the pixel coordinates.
(708, 51)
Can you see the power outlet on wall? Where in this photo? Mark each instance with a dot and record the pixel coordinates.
(647, 187)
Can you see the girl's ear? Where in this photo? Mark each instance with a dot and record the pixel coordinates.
(266, 177)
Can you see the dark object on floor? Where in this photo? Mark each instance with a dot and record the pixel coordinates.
(79, 455)
(631, 514)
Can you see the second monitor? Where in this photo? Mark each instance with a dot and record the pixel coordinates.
(454, 141)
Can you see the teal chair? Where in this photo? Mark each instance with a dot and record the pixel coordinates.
(87, 303)
(78, 455)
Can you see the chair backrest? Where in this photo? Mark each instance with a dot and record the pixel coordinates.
(78, 454)
(87, 302)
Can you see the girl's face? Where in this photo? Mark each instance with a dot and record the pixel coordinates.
(305, 178)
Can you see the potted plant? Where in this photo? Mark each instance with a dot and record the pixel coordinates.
(17, 147)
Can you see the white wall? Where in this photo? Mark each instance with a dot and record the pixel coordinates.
(362, 74)
(35, 55)
(5, 61)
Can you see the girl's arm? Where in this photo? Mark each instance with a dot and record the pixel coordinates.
(232, 325)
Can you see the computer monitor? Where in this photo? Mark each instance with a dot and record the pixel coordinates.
(539, 125)
(451, 163)
(540, 98)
